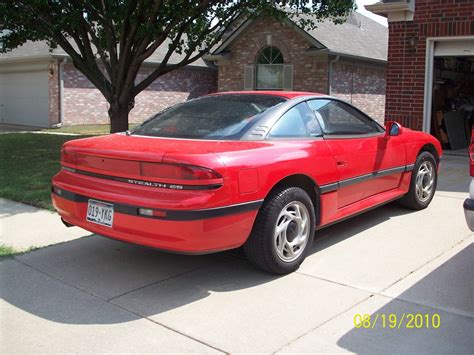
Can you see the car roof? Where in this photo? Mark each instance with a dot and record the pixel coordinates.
(285, 94)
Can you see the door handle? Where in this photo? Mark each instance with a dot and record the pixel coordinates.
(341, 163)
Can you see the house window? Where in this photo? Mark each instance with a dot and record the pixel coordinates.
(269, 69)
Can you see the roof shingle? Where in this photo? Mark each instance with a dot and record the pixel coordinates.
(359, 36)
(40, 49)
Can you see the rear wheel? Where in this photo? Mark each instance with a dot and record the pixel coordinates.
(283, 231)
(423, 182)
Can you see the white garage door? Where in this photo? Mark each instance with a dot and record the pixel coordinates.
(24, 98)
(454, 48)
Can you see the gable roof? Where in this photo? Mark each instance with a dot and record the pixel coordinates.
(31, 51)
(40, 50)
(359, 37)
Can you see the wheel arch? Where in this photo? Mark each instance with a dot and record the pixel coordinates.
(430, 148)
(306, 183)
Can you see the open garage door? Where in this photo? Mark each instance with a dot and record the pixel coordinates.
(454, 48)
(453, 93)
(24, 98)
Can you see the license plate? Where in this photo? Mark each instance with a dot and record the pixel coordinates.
(100, 213)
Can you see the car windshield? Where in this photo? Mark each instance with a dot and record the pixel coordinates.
(220, 117)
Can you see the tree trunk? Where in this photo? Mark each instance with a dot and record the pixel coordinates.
(118, 118)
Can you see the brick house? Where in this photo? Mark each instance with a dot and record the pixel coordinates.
(430, 70)
(346, 60)
(42, 88)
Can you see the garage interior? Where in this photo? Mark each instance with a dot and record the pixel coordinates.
(453, 99)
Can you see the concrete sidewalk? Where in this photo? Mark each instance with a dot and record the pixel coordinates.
(23, 227)
(98, 295)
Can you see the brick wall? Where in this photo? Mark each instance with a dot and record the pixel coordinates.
(53, 93)
(406, 65)
(361, 84)
(310, 73)
(357, 82)
(354, 81)
(84, 104)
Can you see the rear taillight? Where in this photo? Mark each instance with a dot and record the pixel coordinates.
(177, 172)
(173, 174)
(151, 213)
(68, 157)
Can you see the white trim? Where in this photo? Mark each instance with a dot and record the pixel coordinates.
(61, 92)
(15, 60)
(394, 11)
(428, 88)
(24, 66)
(247, 22)
(237, 31)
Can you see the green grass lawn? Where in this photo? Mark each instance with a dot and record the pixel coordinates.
(28, 161)
(92, 129)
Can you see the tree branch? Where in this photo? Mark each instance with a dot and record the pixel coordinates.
(110, 35)
(95, 76)
(163, 68)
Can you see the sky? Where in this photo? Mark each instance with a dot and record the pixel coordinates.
(363, 11)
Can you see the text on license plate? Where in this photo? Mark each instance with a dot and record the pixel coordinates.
(100, 213)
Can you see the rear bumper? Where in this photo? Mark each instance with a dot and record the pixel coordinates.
(183, 231)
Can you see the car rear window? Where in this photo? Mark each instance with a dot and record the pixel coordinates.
(220, 117)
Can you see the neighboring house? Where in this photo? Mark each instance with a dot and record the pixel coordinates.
(346, 60)
(430, 72)
(42, 88)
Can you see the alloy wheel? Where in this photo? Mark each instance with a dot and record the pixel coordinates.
(292, 231)
(425, 178)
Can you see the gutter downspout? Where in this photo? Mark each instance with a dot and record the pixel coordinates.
(330, 73)
(61, 94)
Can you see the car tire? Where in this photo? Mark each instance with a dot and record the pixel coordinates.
(424, 175)
(283, 231)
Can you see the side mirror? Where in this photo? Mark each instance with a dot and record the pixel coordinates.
(393, 128)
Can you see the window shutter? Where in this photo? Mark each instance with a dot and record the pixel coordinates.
(249, 74)
(288, 77)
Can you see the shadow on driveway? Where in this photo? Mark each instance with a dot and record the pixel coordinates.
(109, 270)
(450, 288)
(454, 175)
(339, 232)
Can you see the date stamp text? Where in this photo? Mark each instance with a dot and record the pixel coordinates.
(397, 321)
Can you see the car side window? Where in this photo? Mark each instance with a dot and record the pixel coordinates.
(299, 121)
(338, 118)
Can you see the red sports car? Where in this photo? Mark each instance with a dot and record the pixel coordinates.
(258, 169)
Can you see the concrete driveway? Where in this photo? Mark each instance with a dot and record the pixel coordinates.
(92, 294)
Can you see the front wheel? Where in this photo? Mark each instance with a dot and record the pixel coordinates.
(283, 231)
(423, 182)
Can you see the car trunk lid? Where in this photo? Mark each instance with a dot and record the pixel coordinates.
(150, 158)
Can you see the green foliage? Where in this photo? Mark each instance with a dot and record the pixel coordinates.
(108, 40)
(6, 251)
